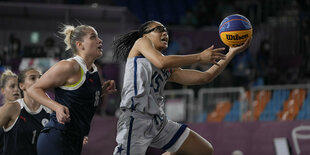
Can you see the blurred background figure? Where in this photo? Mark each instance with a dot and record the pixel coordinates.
(9, 93)
(51, 49)
(23, 119)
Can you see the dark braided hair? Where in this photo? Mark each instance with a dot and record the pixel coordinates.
(122, 46)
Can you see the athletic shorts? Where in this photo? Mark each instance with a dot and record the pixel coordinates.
(137, 131)
(53, 141)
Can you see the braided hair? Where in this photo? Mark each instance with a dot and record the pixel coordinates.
(122, 46)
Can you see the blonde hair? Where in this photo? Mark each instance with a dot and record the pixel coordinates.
(6, 75)
(73, 34)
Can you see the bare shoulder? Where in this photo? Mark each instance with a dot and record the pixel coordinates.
(68, 66)
(143, 44)
(11, 108)
(143, 41)
(8, 113)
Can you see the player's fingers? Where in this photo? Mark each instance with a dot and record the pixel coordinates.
(67, 112)
(110, 85)
(105, 84)
(220, 55)
(247, 42)
(215, 63)
(65, 115)
(85, 140)
(218, 49)
(211, 47)
(113, 84)
(60, 119)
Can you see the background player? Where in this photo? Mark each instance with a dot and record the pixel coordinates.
(9, 86)
(10, 92)
(23, 119)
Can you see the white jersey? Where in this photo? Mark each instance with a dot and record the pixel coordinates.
(143, 86)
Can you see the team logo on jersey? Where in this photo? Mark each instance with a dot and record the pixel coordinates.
(44, 121)
(23, 118)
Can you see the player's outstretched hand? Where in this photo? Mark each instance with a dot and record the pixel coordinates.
(62, 114)
(241, 48)
(212, 55)
(108, 87)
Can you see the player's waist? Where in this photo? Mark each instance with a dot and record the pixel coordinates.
(74, 128)
(139, 114)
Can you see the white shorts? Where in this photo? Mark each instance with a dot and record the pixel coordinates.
(137, 131)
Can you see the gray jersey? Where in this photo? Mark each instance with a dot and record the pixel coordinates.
(143, 86)
(142, 122)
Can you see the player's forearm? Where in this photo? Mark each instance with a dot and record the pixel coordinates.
(215, 70)
(174, 61)
(39, 95)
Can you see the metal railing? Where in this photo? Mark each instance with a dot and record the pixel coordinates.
(263, 103)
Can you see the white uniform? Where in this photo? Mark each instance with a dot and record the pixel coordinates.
(142, 122)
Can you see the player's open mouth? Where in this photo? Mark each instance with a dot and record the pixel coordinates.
(165, 40)
(100, 47)
(16, 95)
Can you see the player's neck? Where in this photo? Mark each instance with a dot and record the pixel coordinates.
(88, 61)
(31, 104)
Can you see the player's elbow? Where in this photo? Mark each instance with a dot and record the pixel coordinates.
(32, 91)
(162, 64)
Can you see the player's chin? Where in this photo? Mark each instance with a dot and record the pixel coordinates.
(163, 47)
(98, 54)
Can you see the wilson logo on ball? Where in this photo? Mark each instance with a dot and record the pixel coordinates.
(236, 37)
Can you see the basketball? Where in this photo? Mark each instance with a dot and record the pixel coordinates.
(234, 30)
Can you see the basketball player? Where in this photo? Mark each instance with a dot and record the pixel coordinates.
(23, 119)
(142, 122)
(78, 92)
(10, 92)
(9, 86)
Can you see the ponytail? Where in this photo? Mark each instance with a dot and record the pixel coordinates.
(73, 34)
(122, 46)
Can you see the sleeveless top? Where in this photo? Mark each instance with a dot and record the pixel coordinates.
(81, 98)
(21, 137)
(143, 86)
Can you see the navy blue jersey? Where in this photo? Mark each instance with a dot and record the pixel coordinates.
(1, 141)
(1, 138)
(21, 137)
(81, 98)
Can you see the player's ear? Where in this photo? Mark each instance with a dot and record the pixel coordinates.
(79, 45)
(21, 86)
(2, 90)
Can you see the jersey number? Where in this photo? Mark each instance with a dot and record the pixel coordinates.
(156, 79)
(34, 132)
(97, 98)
